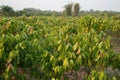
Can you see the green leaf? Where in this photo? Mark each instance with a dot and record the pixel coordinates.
(1, 52)
(53, 79)
(13, 69)
(114, 78)
(97, 58)
(1, 44)
(79, 60)
(67, 46)
(56, 69)
(51, 58)
(96, 39)
(75, 46)
(59, 47)
(65, 63)
(89, 63)
(71, 62)
(93, 78)
(100, 45)
(59, 41)
(13, 53)
(101, 76)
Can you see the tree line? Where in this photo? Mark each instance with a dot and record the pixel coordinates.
(70, 9)
(6, 10)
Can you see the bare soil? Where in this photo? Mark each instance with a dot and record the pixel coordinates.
(115, 42)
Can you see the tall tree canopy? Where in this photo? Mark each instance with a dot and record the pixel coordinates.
(68, 9)
(76, 9)
(72, 9)
(7, 10)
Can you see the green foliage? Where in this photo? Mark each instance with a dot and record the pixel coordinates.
(7, 10)
(47, 47)
(68, 9)
(99, 75)
(76, 9)
(72, 9)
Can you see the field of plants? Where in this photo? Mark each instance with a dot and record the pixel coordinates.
(58, 48)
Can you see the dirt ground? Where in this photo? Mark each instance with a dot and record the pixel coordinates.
(115, 42)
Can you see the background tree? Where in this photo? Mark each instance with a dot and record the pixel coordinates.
(7, 10)
(68, 9)
(19, 13)
(76, 9)
(0, 12)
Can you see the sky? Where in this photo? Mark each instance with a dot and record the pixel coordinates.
(58, 5)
